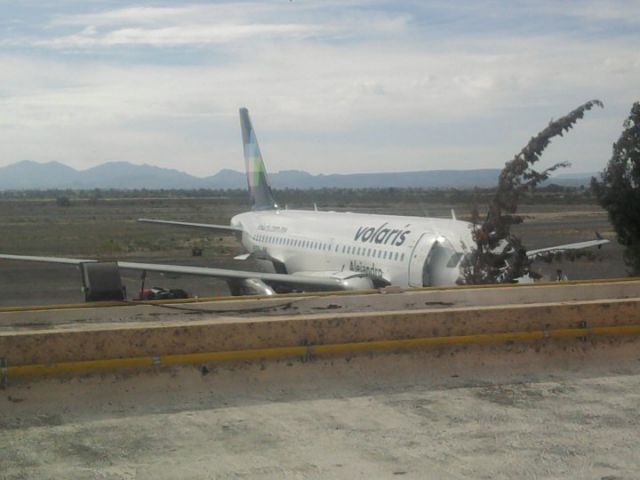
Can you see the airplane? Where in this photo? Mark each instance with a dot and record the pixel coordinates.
(305, 250)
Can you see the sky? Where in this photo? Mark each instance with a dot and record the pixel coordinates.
(331, 86)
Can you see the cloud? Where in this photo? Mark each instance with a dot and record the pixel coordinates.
(435, 84)
(177, 36)
(197, 25)
(129, 15)
(625, 11)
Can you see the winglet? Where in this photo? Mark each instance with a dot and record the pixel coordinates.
(257, 181)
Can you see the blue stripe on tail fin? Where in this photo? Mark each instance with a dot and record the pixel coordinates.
(259, 188)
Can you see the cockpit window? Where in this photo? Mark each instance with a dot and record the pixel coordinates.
(454, 260)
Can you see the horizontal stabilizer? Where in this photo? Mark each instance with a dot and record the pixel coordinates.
(569, 246)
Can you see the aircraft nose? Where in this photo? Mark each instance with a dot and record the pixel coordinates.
(444, 264)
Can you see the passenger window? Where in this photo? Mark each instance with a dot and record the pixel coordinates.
(402, 257)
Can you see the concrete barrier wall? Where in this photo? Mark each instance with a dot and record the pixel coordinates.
(215, 334)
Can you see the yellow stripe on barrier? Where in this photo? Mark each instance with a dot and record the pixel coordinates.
(76, 367)
(313, 350)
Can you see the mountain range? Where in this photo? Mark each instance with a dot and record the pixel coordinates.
(30, 175)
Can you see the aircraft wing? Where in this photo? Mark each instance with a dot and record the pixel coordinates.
(31, 258)
(569, 246)
(309, 280)
(221, 228)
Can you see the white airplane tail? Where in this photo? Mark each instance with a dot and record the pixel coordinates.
(257, 181)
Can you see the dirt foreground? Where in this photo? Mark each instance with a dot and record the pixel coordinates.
(561, 410)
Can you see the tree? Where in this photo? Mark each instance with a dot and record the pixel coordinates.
(498, 255)
(63, 201)
(618, 190)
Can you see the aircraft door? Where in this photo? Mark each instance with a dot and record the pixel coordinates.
(418, 263)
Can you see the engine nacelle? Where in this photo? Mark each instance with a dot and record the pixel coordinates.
(250, 286)
(345, 279)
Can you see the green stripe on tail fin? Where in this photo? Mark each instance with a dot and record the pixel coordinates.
(259, 188)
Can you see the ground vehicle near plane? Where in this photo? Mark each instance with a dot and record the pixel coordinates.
(159, 293)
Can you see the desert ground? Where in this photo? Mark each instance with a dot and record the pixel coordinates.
(106, 228)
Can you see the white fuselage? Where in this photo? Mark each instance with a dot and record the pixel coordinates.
(396, 250)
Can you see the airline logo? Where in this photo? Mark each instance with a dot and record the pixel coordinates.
(382, 235)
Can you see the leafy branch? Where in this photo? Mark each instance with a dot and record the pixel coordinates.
(499, 256)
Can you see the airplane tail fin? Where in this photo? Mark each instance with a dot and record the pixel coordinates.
(259, 188)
